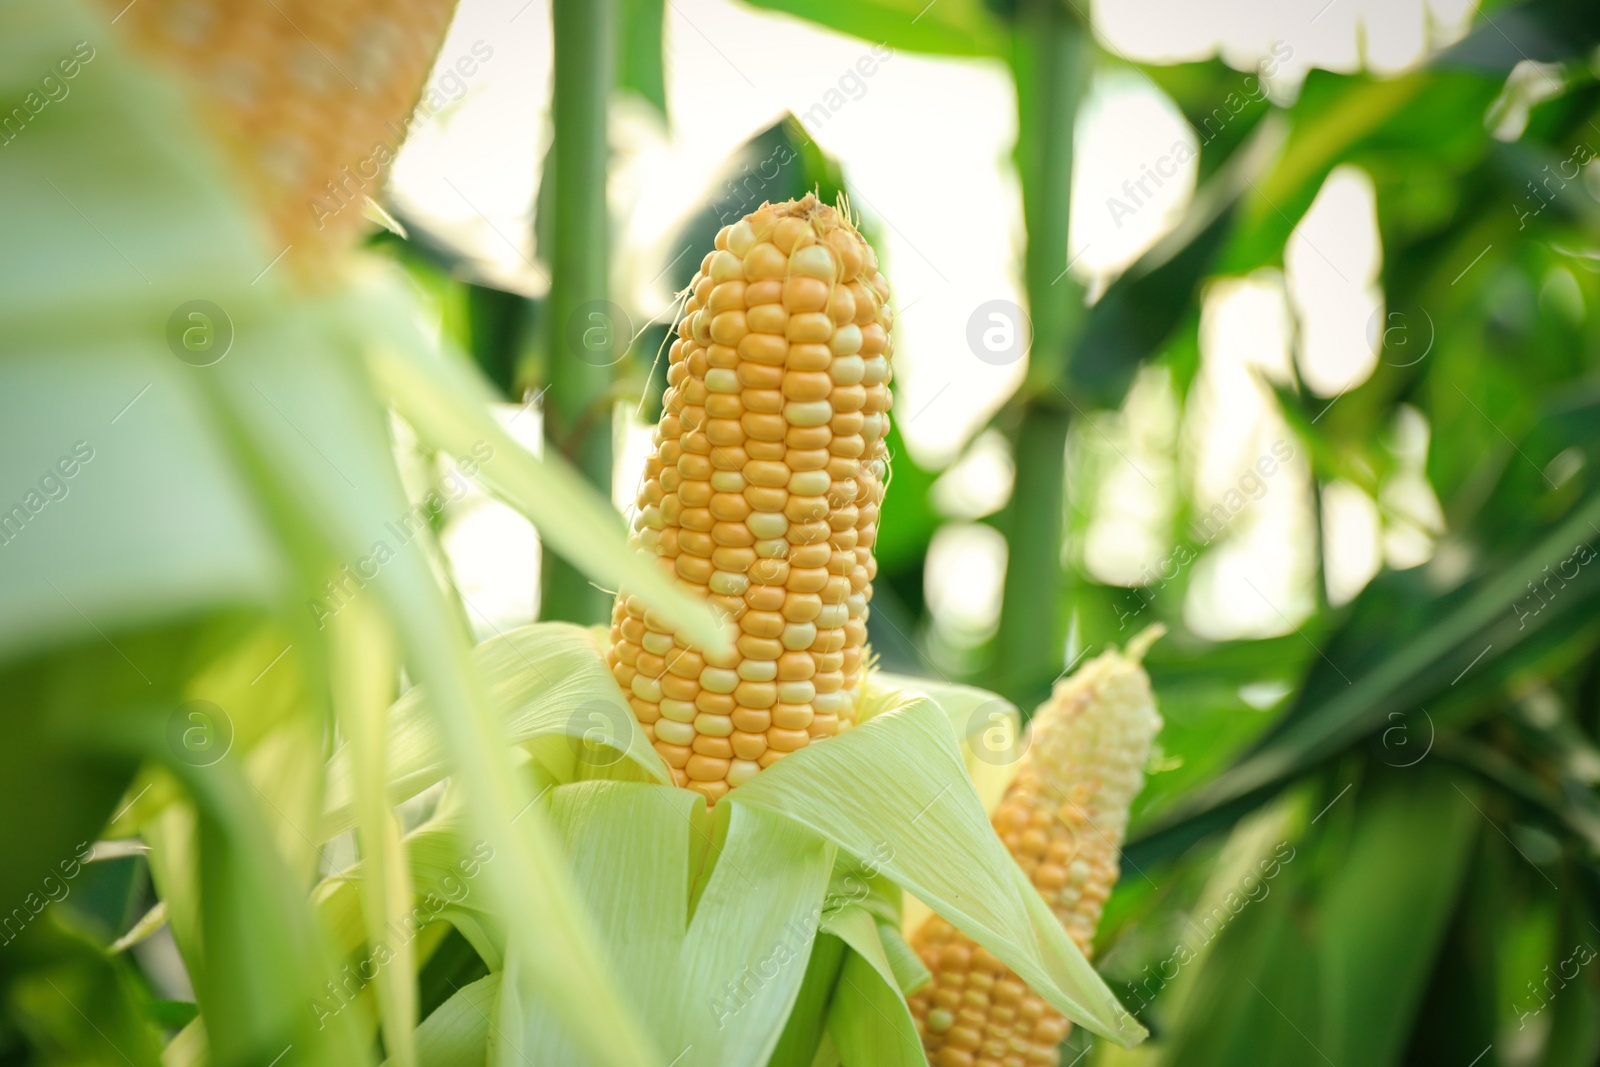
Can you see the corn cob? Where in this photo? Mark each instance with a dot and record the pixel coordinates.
(762, 493)
(309, 96)
(1062, 818)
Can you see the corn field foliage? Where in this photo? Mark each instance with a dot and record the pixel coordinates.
(267, 802)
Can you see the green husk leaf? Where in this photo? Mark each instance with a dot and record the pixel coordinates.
(986, 725)
(868, 1019)
(248, 480)
(364, 676)
(909, 970)
(806, 1027)
(449, 407)
(715, 984)
(893, 792)
(457, 1034)
(546, 679)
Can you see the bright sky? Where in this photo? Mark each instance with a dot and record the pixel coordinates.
(926, 150)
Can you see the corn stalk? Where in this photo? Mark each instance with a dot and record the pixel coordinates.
(577, 419)
(1051, 66)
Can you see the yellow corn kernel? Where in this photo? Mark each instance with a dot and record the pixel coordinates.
(790, 488)
(311, 97)
(1062, 818)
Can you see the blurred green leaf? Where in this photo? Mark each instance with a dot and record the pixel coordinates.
(948, 27)
(1405, 644)
(639, 47)
(1138, 312)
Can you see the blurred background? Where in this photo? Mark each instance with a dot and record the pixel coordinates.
(1267, 322)
(1263, 321)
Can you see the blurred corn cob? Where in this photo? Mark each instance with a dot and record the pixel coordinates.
(762, 494)
(1062, 818)
(310, 97)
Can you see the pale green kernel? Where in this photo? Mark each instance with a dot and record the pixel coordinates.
(679, 710)
(832, 616)
(767, 525)
(674, 733)
(758, 670)
(848, 370)
(846, 340)
(808, 412)
(718, 680)
(797, 636)
(796, 692)
(828, 703)
(726, 583)
(809, 483)
(713, 725)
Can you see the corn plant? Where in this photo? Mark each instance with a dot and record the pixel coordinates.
(517, 801)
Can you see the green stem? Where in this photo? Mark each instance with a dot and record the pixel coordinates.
(581, 330)
(1051, 65)
(1028, 649)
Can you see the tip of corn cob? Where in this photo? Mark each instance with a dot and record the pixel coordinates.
(1141, 643)
(1062, 818)
(761, 493)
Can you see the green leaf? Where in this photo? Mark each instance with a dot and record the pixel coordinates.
(1404, 838)
(987, 726)
(893, 793)
(248, 481)
(364, 673)
(805, 1029)
(1544, 31)
(547, 679)
(714, 982)
(1413, 836)
(457, 1035)
(1426, 642)
(1138, 312)
(639, 53)
(1333, 115)
(869, 1020)
(449, 407)
(950, 27)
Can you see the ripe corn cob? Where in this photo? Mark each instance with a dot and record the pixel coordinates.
(1062, 818)
(762, 494)
(310, 96)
